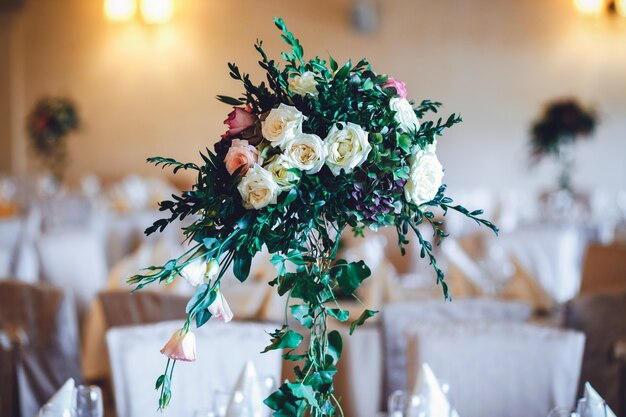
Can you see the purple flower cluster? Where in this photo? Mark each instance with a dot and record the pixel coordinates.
(374, 202)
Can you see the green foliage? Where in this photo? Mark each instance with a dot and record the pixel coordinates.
(303, 228)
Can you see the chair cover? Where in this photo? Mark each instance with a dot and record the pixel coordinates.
(9, 236)
(222, 351)
(602, 317)
(38, 346)
(398, 317)
(122, 308)
(499, 369)
(74, 260)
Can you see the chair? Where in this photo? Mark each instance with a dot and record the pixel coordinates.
(499, 369)
(38, 346)
(74, 260)
(222, 350)
(602, 318)
(122, 308)
(604, 269)
(398, 317)
(9, 238)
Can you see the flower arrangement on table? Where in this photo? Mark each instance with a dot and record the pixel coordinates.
(554, 134)
(48, 125)
(313, 150)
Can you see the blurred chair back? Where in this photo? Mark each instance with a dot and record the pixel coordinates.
(222, 351)
(398, 317)
(74, 260)
(9, 237)
(38, 346)
(602, 317)
(499, 369)
(123, 308)
(604, 269)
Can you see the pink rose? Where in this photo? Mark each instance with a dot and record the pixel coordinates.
(240, 154)
(239, 120)
(398, 85)
(220, 308)
(181, 346)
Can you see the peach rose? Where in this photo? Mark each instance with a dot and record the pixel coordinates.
(240, 154)
(181, 346)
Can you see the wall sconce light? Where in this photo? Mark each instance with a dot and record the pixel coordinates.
(598, 7)
(120, 10)
(157, 11)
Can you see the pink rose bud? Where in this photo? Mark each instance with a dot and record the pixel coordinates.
(181, 346)
(398, 85)
(240, 154)
(220, 308)
(239, 120)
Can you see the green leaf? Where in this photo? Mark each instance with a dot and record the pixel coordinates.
(230, 100)
(202, 316)
(344, 72)
(351, 275)
(339, 314)
(361, 320)
(284, 340)
(335, 346)
(301, 314)
(197, 298)
(306, 392)
(242, 266)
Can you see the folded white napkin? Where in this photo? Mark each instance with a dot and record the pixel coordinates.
(429, 389)
(595, 402)
(63, 399)
(247, 398)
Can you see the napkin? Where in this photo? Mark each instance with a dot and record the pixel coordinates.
(247, 398)
(63, 398)
(595, 402)
(429, 389)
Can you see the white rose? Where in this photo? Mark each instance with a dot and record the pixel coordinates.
(279, 166)
(346, 148)
(282, 125)
(258, 188)
(306, 153)
(405, 115)
(425, 178)
(304, 84)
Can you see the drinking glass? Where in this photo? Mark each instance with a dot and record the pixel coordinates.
(89, 401)
(396, 404)
(220, 403)
(562, 412)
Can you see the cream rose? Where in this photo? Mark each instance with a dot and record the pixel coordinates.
(282, 124)
(425, 177)
(304, 84)
(279, 166)
(306, 152)
(346, 148)
(258, 188)
(405, 115)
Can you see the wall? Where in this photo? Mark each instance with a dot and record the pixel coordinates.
(150, 90)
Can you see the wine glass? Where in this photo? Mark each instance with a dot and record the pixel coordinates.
(396, 404)
(89, 401)
(204, 413)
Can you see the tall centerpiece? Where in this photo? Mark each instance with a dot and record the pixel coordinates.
(314, 149)
(48, 125)
(562, 123)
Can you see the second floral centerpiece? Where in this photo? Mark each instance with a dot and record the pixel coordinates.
(313, 150)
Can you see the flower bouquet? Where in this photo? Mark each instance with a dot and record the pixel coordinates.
(554, 134)
(314, 149)
(48, 125)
